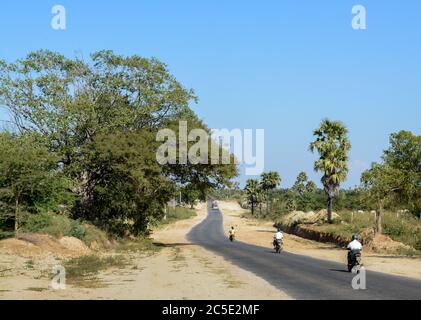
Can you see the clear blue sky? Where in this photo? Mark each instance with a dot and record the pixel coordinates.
(277, 65)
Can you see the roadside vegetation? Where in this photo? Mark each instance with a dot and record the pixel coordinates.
(177, 213)
(79, 155)
(83, 271)
(387, 202)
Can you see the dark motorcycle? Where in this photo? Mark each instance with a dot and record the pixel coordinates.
(277, 244)
(354, 259)
(232, 237)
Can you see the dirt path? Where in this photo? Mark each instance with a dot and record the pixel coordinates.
(179, 271)
(261, 233)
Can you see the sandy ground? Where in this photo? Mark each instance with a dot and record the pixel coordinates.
(261, 233)
(179, 271)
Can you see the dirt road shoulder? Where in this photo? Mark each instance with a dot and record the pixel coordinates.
(180, 270)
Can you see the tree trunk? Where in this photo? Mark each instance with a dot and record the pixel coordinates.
(267, 204)
(252, 208)
(329, 209)
(379, 212)
(16, 216)
(166, 208)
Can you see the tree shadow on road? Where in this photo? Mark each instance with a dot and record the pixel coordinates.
(172, 245)
(339, 270)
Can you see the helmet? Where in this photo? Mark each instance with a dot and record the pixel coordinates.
(354, 237)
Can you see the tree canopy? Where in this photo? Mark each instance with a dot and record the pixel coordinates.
(99, 119)
(332, 145)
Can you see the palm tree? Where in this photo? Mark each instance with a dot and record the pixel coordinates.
(333, 146)
(270, 181)
(253, 191)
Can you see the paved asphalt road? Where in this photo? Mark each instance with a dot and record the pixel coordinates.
(299, 276)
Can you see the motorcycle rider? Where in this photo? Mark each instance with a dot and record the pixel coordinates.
(232, 233)
(278, 236)
(354, 247)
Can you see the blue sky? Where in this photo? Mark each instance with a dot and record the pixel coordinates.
(277, 65)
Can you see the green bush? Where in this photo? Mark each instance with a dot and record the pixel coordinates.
(93, 234)
(37, 222)
(6, 234)
(405, 229)
(61, 225)
(76, 229)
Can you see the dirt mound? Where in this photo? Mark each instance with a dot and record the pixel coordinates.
(382, 243)
(31, 244)
(74, 244)
(19, 247)
(300, 217)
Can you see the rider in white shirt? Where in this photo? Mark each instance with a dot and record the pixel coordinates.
(355, 245)
(278, 235)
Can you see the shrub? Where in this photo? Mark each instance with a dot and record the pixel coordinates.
(61, 225)
(38, 222)
(76, 229)
(6, 234)
(87, 267)
(93, 234)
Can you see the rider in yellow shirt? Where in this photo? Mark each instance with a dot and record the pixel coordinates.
(232, 233)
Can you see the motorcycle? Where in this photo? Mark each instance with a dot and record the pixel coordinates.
(354, 260)
(232, 237)
(277, 246)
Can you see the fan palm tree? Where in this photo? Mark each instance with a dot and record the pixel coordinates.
(270, 181)
(253, 193)
(332, 145)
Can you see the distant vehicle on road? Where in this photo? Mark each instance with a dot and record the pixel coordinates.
(214, 205)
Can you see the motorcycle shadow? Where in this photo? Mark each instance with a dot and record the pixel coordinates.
(272, 252)
(339, 270)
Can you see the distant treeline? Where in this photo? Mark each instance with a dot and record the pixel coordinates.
(393, 184)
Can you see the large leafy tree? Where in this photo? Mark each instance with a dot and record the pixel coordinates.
(203, 176)
(269, 181)
(404, 155)
(300, 183)
(126, 189)
(303, 192)
(190, 194)
(70, 101)
(80, 106)
(382, 183)
(332, 145)
(397, 180)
